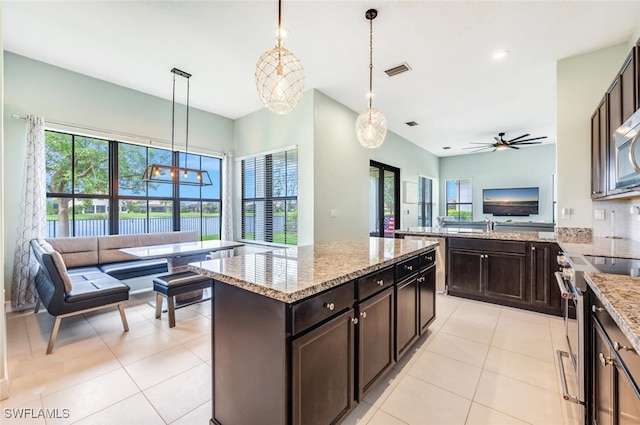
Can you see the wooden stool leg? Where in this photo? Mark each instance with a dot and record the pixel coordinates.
(172, 312)
(158, 305)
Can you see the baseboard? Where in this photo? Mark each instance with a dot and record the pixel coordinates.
(4, 388)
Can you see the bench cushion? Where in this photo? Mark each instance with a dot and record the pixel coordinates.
(94, 286)
(136, 268)
(180, 283)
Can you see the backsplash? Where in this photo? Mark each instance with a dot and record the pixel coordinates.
(623, 224)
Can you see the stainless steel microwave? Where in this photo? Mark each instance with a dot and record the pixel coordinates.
(627, 139)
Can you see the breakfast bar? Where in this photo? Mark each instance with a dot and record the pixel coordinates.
(301, 334)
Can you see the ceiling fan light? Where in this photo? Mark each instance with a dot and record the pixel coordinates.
(371, 128)
(501, 147)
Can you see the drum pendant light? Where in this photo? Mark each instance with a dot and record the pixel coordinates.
(279, 75)
(371, 125)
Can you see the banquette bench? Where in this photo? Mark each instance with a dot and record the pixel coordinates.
(78, 275)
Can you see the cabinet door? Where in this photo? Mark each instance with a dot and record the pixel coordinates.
(464, 270)
(598, 151)
(323, 372)
(427, 287)
(628, 411)
(614, 119)
(375, 339)
(506, 277)
(602, 378)
(540, 276)
(406, 315)
(628, 87)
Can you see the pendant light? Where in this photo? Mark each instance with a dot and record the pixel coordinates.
(279, 75)
(371, 125)
(161, 173)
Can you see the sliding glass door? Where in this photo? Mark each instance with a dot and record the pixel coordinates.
(384, 199)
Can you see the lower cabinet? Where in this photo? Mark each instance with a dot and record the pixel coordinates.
(406, 315)
(514, 273)
(375, 336)
(323, 372)
(427, 293)
(615, 370)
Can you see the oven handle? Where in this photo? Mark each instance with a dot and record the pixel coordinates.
(563, 379)
(563, 289)
(632, 148)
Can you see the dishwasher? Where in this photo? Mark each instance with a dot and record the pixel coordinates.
(441, 260)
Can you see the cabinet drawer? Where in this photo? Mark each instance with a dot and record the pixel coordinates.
(489, 245)
(621, 345)
(374, 282)
(321, 307)
(427, 259)
(407, 268)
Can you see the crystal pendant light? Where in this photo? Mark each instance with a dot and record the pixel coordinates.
(279, 76)
(371, 125)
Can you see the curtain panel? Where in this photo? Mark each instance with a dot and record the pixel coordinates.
(32, 215)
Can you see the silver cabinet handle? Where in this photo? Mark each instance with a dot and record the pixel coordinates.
(380, 282)
(596, 309)
(354, 320)
(330, 306)
(430, 258)
(406, 267)
(604, 360)
(422, 279)
(363, 314)
(533, 248)
(619, 347)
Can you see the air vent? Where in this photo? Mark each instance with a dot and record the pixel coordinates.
(446, 147)
(398, 69)
(411, 123)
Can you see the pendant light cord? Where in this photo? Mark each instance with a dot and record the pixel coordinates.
(279, 36)
(186, 146)
(370, 62)
(173, 112)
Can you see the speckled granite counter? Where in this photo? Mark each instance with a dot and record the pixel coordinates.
(620, 296)
(295, 273)
(603, 247)
(453, 232)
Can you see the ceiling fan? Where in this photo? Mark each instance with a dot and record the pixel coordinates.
(502, 144)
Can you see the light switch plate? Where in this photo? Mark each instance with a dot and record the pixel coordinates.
(598, 214)
(334, 213)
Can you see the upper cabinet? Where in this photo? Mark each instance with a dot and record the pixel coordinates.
(620, 101)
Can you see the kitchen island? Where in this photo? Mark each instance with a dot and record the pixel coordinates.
(301, 334)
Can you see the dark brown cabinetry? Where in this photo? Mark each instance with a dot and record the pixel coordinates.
(614, 119)
(375, 339)
(542, 264)
(615, 367)
(407, 309)
(628, 92)
(599, 151)
(489, 269)
(310, 362)
(514, 273)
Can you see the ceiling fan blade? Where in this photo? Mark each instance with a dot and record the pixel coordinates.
(478, 147)
(513, 147)
(526, 143)
(528, 140)
(517, 138)
(482, 143)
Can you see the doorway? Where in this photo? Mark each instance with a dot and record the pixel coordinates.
(384, 199)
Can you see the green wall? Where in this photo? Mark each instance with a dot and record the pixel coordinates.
(529, 167)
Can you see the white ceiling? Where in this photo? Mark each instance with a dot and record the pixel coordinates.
(456, 91)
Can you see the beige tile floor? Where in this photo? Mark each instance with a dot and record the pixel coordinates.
(480, 364)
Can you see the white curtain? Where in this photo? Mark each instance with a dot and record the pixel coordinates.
(32, 214)
(227, 200)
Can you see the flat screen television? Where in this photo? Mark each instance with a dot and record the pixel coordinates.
(521, 201)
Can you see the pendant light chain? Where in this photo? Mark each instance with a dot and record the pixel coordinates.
(279, 70)
(173, 112)
(370, 63)
(186, 144)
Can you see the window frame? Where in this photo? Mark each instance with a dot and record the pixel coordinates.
(425, 208)
(114, 198)
(458, 204)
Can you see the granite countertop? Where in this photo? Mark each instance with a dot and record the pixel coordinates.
(295, 273)
(455, 232)
(620, 296)
(603, 247)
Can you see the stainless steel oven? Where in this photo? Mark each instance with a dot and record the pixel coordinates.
(573, 288)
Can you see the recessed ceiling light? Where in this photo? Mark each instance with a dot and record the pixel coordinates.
(500, 54)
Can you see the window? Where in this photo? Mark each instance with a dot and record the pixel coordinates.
(270, 198)
(459, 196)
(82, 202)
(425, 201)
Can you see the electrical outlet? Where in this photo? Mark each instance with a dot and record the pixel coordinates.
(334, 213)
(598, 214)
